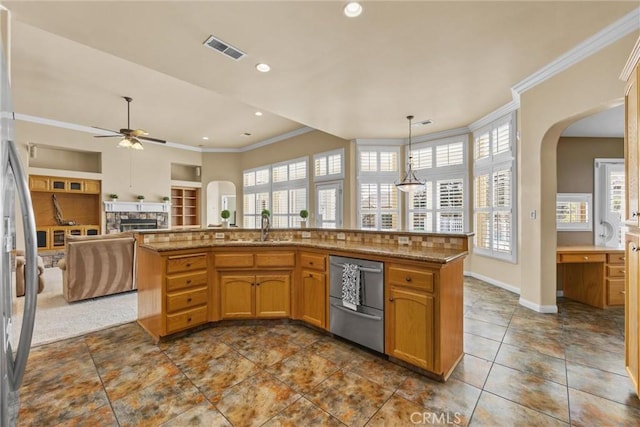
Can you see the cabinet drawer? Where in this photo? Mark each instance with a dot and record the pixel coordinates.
(615, 270)
(234, 260)
(281, 259)
(615, 292)
(584, 257)
(186, 280)
(617, 258)
(314, 261)
(186, 263)
(186, 319)
(186, 299)
(414, 277)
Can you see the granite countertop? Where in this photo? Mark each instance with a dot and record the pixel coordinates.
(437, 255)
(587, 248)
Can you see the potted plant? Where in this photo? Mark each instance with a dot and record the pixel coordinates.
(113, 197)
(166, 199)
(225, 214)
(265, 212)
(304, 214)
(140, 198)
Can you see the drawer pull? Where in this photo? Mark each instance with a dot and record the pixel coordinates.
(188, 264)
(189, 282)
(310, 262)
(189, 320)
(310, 276)
(258, 284)
(391, 299)
(189, 299)
(408, 278)
(586, 257)
(623, 292)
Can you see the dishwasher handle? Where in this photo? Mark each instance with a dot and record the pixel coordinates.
(357, 313)
(365, 269)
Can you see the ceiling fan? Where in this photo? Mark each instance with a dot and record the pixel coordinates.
(130, 137)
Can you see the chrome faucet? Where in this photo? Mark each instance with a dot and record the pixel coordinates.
(264, 227)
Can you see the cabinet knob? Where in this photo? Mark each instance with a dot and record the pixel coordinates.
(310, 262)
(623, 292)
(188, 265)
(310, 276)
(189, 299)
(391, 299)
(408, 278)
(586, 257)
(189, 282)
(189, 320)
(634, 248)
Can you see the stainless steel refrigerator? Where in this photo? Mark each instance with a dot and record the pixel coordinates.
(13, 187)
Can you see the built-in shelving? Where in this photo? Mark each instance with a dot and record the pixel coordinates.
(185, 206)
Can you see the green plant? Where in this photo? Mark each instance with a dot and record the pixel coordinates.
(225, 214)
(304, 214)
(141, 197)
(113, 196)
(265, 212)
(166, 198)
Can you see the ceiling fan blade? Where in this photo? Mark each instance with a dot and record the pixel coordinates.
(139, 132)
(108, 130)
(107, 136)
(148, 138)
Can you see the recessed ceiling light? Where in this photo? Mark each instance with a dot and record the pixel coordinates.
(352, 9)
(258, 113)
(263, 68)
(246, 134)
(206, 138)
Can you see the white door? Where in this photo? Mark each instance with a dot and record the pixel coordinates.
(329, 205)
(609, 202)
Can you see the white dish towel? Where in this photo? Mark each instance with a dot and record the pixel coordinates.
(351, 286)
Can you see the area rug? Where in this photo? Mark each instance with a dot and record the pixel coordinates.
(56, 319)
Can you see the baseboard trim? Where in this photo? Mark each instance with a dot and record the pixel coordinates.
(493, 282)
(537, 307)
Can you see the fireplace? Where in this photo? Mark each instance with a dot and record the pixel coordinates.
(130, 224)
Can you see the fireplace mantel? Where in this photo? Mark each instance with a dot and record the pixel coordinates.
(136, 207)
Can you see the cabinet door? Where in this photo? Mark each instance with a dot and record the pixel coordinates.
(236, 296)
(273, 295)
(313, 298)
(39, 183)
(632, 300)
(91, 186)
(410, 334)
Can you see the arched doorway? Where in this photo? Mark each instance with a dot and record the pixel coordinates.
(221, 195)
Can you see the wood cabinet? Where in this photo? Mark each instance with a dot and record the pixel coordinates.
(255, 285)
(312, 289)
(631, 73)
(173, 291)
(592, 275)
(79, 201)
(423, 315)
(185, 206)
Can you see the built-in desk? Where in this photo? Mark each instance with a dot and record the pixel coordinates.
(592, 275)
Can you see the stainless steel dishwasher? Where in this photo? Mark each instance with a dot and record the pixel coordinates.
(365, 325)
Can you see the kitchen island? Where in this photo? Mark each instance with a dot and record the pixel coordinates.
(196, 278)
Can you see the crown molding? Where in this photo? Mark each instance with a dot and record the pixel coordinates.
(631, 62)
(449, 133)
(494, 115)
(263, 143)
(378, 142)
(603, 38)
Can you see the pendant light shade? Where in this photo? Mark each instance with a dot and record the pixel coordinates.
(410, 181)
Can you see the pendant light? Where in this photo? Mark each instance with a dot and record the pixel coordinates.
(410, 181)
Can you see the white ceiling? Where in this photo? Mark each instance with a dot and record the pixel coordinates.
(451, 62)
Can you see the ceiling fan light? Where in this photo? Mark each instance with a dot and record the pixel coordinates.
(137, 145)
(125, 143)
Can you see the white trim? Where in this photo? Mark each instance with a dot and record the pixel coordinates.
(603, 38)
(371, 142)
(631, 62)
(135, 207)
(495, 115)
(277, 138)
(537, 307)
(450, 133)
(493, 282)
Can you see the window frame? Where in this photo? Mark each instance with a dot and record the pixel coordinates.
(489, 165)
(575, 198)
(328, 176)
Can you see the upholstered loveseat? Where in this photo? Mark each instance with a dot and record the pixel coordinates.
(95, 266)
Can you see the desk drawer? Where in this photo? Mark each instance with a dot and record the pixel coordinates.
(186, 299)
(615, 292)
(617, 258)
(186, 263)
(615, 270)
(582, 257)
(186, 280)
(313, 261)
(186, 319)
(407, 276)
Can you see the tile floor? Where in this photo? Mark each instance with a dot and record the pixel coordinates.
(520, 368)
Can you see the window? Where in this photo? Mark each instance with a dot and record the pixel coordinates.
(573, 212)
(494, 186)
(328, 175)
(328, 166)
(440, 207)
(281, 188)
(378, 207)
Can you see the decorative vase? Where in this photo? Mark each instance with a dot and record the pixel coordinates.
(225, 224)
(303, 224)
(113, 199)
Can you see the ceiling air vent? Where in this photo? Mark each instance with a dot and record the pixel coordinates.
(224, 48)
